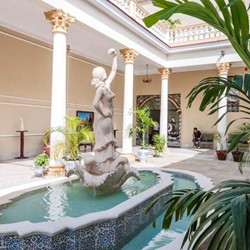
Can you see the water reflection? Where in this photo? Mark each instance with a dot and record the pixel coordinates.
(56, 202)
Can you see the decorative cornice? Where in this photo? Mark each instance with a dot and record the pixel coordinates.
(165, 72)
(129, 55)
(223, 68)
(59, 19)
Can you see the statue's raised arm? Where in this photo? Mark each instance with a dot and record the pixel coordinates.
(112, 74)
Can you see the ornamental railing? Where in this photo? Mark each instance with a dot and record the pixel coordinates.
(179, 36)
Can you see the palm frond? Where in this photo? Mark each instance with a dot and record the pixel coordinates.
(71, 135)
(231, 19)
(214, 213)
(214, 89)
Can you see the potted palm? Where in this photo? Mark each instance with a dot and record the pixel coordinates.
(220, 151)
(143, 123)
(235, 139)
(237, 155)
(73, 134)
(159, 143)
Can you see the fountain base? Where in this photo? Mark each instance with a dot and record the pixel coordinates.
(91, 174)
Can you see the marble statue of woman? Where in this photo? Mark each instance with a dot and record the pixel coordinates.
(106, 170)
(103, 125)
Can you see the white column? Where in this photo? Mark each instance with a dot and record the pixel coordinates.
(58, 99)
(165, 72)
(60, 22)
(223, 69)
(129, 56)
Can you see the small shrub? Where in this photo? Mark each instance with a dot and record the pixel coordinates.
(159, 144)
(41, 160)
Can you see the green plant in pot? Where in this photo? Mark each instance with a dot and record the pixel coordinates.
(220, 151)
(237, 154)
(73, 134)
(143, 123)
(241, 135)
(41, 161)
(159, 143)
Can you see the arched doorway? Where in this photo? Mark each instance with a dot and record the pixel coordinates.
(174, 115)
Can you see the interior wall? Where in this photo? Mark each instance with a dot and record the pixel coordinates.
(24, 93)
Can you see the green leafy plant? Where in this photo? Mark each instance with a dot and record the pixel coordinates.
(221, 215)
(242, 134)
(41, 160)
(214, 89)
(219, 143)
(159, 143)
(73, 134)
(143, 123)
(218, 214)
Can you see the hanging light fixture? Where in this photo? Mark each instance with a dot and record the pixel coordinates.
(147, 79)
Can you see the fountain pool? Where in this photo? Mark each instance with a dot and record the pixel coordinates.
(70, 199)
(110, 229)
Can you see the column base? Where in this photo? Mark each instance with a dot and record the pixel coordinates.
(56, 171)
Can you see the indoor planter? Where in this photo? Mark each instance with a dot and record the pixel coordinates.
(73, 133)
(143, 123)
(237, 155)
(220, 151)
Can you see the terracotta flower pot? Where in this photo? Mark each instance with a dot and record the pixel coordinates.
(221, 155)
(237, 155)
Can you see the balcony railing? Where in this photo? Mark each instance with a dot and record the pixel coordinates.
(179, 36)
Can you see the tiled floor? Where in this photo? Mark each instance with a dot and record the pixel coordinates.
(15, 173)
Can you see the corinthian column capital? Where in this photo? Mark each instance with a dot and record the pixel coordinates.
(129, 55)
(59, 19)
(223, 68)
(165, 72)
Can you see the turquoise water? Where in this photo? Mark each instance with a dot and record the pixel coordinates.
(70, 199)
(153, 238)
